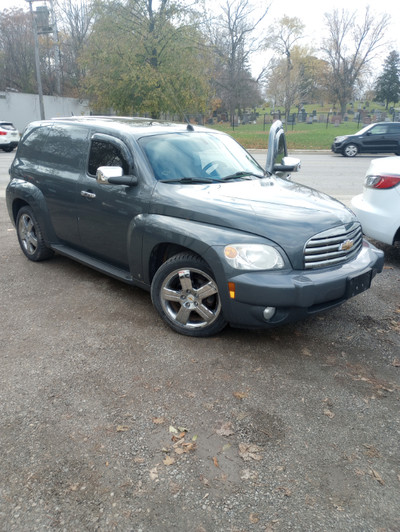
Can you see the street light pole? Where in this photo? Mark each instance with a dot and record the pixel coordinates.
(37, 61)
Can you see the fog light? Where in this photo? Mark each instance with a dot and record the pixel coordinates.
(269, 313)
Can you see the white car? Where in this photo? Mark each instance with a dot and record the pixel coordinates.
(9, 136)
(378, 207)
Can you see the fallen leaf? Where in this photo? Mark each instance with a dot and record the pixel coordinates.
(247, 474)
(122, 428)
(183, 429)
(240, 395)
(249, 451)
(168, 460)
(154, 473)
(204, 480)
(396, 363)
(329, 413)
(306, 352)
(371, 452)
(174, 487)
(254, 518)
(225, 429)
(286, 491)
(339, 508)
(215, 461)
(179, 450)
(226, 447)
(173, 429)
(138, 460)
(377, 476)
(158, 420)
(189, 446)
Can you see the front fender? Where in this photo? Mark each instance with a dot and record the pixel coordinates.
(154, 230)
(20, 192)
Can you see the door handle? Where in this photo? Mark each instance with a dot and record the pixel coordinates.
(87, 194)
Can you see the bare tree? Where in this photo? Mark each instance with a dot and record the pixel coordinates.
(353, 41)
(75, 19)
(17, 61)
(233, 36)
(282, 40)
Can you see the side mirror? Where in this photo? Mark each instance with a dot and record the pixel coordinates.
(114, 175)
(278, 161)
(288, 165)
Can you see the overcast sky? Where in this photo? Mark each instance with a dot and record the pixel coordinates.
(311, 13)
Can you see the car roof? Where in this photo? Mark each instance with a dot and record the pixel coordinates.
(133, 126)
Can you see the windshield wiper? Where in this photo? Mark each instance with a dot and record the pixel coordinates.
(188, 180)
(241, 175)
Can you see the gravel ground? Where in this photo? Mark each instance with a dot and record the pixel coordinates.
(111, 421)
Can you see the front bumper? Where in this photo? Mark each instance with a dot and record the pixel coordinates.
(337, 148)
(298, 294)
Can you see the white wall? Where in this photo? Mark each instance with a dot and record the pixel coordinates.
(20, 109)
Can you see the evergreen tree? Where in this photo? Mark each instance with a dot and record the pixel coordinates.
(387, 87)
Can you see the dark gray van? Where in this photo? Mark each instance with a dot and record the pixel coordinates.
(186, 213)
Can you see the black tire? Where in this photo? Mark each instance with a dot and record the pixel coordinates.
(8, 149)
(350, 150)
(186, 296)
(30, 236)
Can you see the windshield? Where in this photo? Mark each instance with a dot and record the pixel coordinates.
(198, 156)
(364, 129)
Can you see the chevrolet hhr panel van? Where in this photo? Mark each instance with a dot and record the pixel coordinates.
(187, 214)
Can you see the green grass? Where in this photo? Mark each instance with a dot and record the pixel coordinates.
(314, 136)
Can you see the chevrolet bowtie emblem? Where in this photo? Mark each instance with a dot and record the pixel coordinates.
(345, 246)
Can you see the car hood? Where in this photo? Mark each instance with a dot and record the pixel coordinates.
(281, 211)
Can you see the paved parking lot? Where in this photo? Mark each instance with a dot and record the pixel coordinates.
(111, 421)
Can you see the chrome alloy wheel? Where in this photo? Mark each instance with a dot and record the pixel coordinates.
(350, 150)
(27, 234)
(190, 298)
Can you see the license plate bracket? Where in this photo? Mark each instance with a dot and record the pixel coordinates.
(357, 285)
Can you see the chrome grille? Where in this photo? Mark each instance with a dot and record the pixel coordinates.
(333, 246)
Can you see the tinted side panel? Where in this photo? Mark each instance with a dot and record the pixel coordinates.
(65, 149)
(31, 145)
(64, 159)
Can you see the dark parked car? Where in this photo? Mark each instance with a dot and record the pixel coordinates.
(186, 213)
(382, 137)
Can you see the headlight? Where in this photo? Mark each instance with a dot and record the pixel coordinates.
(253, 257)
(341, 139)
